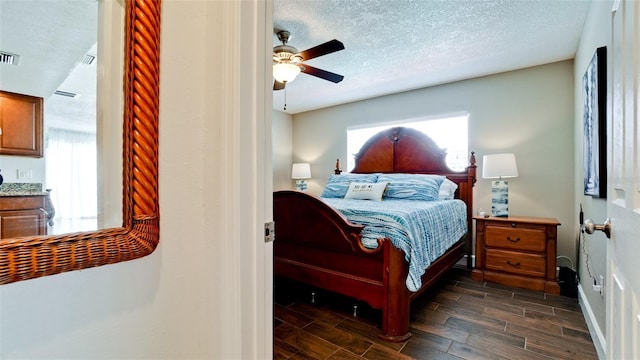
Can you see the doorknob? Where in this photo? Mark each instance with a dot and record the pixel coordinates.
(590, 227)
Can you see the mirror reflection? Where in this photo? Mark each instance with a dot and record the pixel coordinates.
(51, 52)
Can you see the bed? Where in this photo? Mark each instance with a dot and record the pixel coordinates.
(317, 245)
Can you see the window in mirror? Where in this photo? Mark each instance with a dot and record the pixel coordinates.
(71, 171)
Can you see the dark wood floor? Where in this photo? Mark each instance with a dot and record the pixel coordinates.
(459, 319)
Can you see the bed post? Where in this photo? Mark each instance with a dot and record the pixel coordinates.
(338, 169)
(468, 196)
(396, 314)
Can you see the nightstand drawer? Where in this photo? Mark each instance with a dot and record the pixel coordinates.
(515, 262)
(516, 238)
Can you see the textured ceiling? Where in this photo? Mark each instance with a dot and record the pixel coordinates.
(391, 45)
(398, 45)
(51, 38)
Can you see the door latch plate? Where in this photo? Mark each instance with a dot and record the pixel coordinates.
(269, 232)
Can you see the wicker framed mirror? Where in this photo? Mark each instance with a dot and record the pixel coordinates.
(37, 256)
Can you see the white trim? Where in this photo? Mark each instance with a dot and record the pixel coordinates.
(252, 139)
(598, 337)
(255, 127)
(110, 111)
(238, 142)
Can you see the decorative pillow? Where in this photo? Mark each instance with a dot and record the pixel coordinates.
(447, 190)
(366, 191)
(412, 186)
(338, 185)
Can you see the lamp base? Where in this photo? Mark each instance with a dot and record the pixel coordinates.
(500, 198)
(301, 185)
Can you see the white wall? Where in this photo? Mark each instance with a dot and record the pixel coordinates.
(596, 33)
(10, 164)
(186, 299)
(282, 150)
(528, 112)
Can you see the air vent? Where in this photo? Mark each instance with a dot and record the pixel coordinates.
(9, 58)
(88, 59)
(66, 93)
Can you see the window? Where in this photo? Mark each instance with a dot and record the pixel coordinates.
(71, 173)
(449, 133)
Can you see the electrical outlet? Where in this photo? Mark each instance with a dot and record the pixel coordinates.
(599, 288)
(25, 174)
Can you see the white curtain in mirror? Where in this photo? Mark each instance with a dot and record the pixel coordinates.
(72, 176)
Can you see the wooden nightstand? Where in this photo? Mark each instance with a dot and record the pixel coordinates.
(517, 251)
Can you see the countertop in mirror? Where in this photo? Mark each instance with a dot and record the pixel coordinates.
(22, 189)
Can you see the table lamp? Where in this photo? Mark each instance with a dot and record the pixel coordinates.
(300, 172)
(499, 166)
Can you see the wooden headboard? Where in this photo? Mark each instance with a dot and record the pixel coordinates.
(406, 150)
(402, 150)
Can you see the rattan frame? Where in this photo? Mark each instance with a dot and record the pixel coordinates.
(32, 257)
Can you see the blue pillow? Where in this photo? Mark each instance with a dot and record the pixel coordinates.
(412, 186)
(338, 185)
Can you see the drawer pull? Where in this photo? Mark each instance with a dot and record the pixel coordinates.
(513, 240)
(512, 264)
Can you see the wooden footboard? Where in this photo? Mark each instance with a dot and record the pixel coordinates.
(318, 246)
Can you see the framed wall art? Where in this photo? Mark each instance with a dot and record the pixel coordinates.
(594, 88)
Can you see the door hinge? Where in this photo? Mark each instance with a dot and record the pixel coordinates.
(269, 231)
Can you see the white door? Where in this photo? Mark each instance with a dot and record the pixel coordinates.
(623, 200)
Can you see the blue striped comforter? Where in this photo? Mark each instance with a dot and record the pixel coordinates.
(423, 230)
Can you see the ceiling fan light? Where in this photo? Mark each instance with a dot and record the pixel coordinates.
(285, 72)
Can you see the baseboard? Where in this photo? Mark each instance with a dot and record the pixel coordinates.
(597, 336)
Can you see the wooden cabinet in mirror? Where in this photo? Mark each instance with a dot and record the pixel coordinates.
(30, 257)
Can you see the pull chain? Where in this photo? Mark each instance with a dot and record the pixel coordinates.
(285, 98)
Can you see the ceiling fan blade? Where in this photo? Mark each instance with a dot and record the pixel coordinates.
(278, 85)
(323, 74)
(322, 49)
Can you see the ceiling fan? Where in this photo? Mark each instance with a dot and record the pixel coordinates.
(288, 62)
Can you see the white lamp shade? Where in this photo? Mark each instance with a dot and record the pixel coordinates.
(285, 72)
(301, 171)
(499, 166)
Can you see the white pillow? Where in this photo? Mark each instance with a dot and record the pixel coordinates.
(366, 191)
(447, 190)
